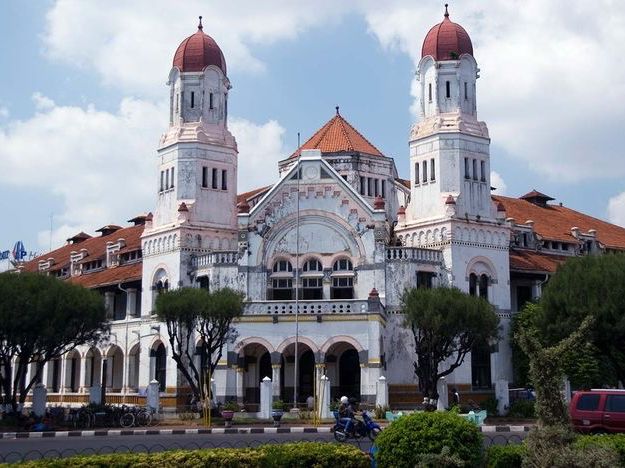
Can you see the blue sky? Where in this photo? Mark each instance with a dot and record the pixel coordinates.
(82, 96)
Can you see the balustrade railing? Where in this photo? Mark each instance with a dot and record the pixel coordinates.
(225, 257)
(414, 253)
(333, 306)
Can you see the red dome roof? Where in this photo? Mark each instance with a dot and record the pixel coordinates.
(447, 41)
(197, 52)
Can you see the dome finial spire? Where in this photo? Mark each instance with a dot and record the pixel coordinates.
(199, 26)
(446, 12)
(337, 110)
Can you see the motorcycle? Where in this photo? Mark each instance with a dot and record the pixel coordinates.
(365, 428)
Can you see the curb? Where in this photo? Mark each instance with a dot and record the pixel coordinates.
(216, 430)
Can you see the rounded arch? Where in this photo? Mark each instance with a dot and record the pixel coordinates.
(481, 266)
(339, 339)
(302, 339)
(253, 340)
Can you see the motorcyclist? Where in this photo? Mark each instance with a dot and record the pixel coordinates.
(350, 413)
(346, 413)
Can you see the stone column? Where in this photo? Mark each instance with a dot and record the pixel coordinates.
(381, 398)
(240, 384)
(131, 303)
(153, 395)
(109, 303)
(265, 398)
(503, 396)
(65, 377)
(443, 398)
(324, 398)
(40, 395)
(82, 385)
(275, 381)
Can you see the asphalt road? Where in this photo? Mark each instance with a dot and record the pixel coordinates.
(15, 450)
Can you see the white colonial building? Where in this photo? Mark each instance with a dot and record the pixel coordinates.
(338, 229)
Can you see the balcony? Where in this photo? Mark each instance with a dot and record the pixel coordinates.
(332, 306)
(224, 257)
(414, 254)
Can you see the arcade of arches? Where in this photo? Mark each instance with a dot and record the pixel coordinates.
(341, 363)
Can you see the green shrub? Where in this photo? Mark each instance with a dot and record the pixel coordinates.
(505, 456)
(522, 409)
(490, 405)
(403, 442)
(299, 454)
(445, 459)
(556, 447)
(615, 442)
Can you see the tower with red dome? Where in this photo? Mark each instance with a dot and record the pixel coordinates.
(196, 181)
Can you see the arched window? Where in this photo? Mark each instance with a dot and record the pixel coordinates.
(160, 366)
(312, 280)
(342, 279)
(281, 282)
(472, 284)
(483, 286)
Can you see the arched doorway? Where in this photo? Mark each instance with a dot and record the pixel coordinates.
(115, 369)
(72, 371)
(343, 370)
(305, 373)
(256, 362)
(92, 367)
(133, 368)
(158, 359)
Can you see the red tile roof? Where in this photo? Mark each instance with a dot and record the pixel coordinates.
(535, 262)
(109, 276)
(337, 136)
(246, 196)
(96, 248)
(554, 222)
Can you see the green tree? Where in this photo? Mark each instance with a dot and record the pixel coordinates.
(42, 318)
(446, 323)
(525, 319)
(590, 286)
(195, 315)
(546, 370)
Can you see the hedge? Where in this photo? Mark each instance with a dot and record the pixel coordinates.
(505, 456)
(615, 442)
(406, 441)
(299, 454)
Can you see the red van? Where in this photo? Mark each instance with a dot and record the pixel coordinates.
(598, 410)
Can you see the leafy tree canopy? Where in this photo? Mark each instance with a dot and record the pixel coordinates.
(42, 318)
(446, 323)
(589, 286)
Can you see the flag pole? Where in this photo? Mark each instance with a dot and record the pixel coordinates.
(296, 367)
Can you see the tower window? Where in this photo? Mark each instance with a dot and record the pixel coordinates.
(467, 175)
(466, 93)
(483, 171)
(214, 181)
(210, 100)
(416, 174)
(424, 169)
(204, 177)
(430, 92)
(224, 179)
(177, 101)
(363, 185)
(193, 99)
(171, 182)
(166, 179)
(383, 189)
(475, 169)
(377, 187)
(432, 170)
(369, 186)
(162, 181)
(447, 89)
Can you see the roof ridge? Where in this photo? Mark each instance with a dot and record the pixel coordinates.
(342, 122)
(362, 136)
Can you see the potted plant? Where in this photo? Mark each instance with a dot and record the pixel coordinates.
(228, 410)
(277, 412)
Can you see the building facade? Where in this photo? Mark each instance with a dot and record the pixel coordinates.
(338, 235)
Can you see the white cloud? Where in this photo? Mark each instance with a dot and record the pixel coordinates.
(4, 112)
(132, 45)
(616, 209)
(103, 165)
(260, 149)
(497, 181)
(550, 76)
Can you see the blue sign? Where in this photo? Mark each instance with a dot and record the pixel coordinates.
(4, 255)
(19, 252)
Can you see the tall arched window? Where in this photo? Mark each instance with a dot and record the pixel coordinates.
(483, 286)
(160, 366)
(472, 284)
(480, 366)
(281, 282)
(312, 280)
(342, 279)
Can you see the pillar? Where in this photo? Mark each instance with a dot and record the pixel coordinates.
(240, 386)
(324, 398)
(131, 303)
(443, 397)
(65, 378)
(381, 398)
(503, 396)
(275, 381)
(82, 384)
(266, 398)
(40, 395)
(153, 395)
